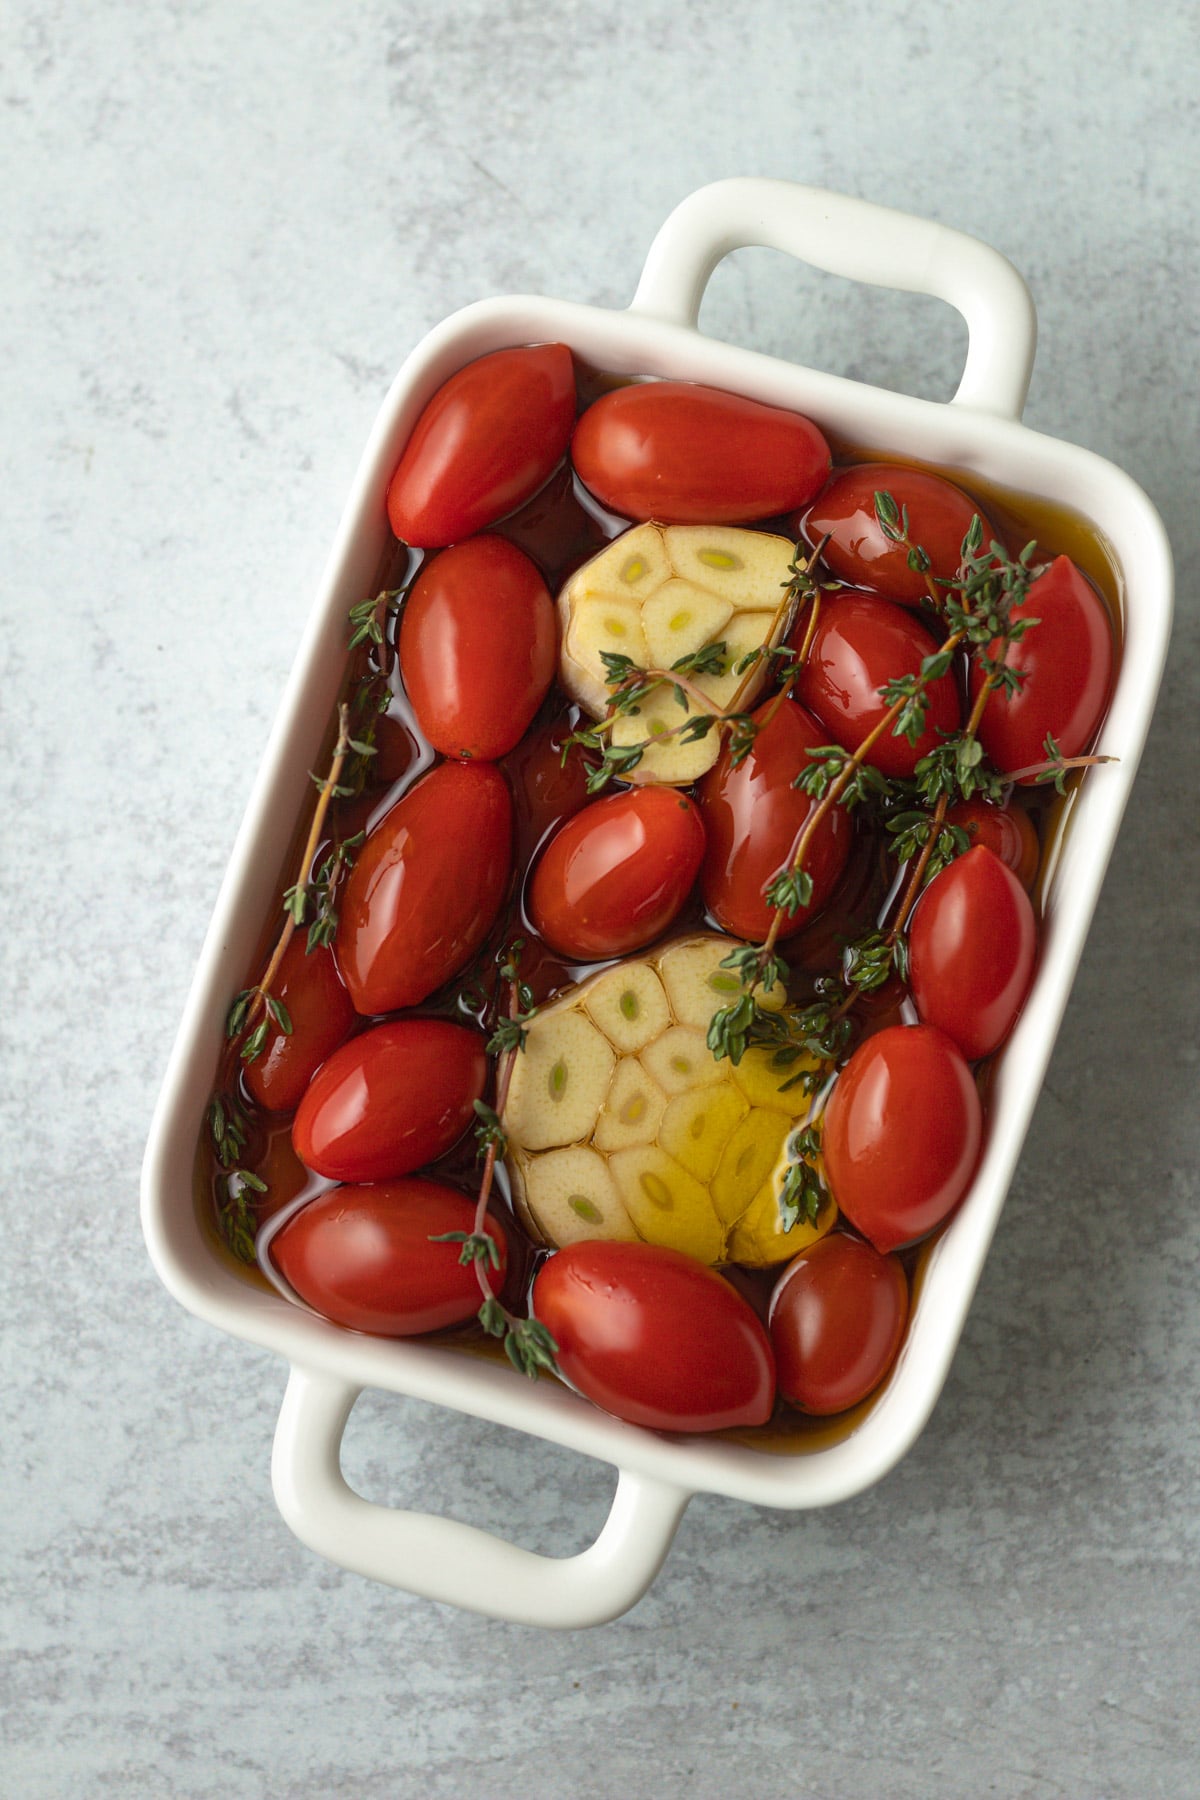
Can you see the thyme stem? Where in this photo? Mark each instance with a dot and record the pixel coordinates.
(1057, 764)
(832, 794)
(504, 1070)
(261, 993)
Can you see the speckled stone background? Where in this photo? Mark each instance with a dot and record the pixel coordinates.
(224, 226)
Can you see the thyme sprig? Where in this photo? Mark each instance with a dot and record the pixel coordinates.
(630, 686)
(803, 1193)
(977, 607)
(229, 1130)
(369, 618)
(893, 522)
(527, 1343)
(244, 1026)
(309, 900)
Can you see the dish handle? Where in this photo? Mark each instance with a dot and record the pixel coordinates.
(864, 242)
(441, 1559)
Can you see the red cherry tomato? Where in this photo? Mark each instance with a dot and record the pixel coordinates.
(484, 444)
(656, 1338)
(478, 645)
(859, 644)
(426, 887)
(320, 1012)
(391, 1099)
(1007, 831)
(972, 948)
(1067, 662)
(860, 552)
(902, 1134)
(364, 1257)
(612, 878)
(686, 455)
(837, 1319)
(753, 818)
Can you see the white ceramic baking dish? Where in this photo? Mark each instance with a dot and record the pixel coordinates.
(978, 432)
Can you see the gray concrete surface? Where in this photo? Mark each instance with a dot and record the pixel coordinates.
(224, 226)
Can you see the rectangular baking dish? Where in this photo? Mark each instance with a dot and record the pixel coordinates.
(978, 432)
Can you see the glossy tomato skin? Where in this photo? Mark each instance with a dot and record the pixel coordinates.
(393, 1098)
(478, 644)
(426, 887)
(902, 1134)
(1007, 831)
(1067, 662)
(655, 1337)
(321, 1014)
(613, 878)
(687, 455)
(484, 444)
(860, 643)
(752, 818)
(837, 1319)
(363, 1257)
(858, 551)
(972, 951)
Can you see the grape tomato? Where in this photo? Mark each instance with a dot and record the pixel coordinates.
(653, 1336)
(1065, 663)
(484, 444)
(859, 644)
(392, 1099)
(972, 947)
(753, 818)
(837, 1319)
(685, 455)
(1007, 831)
(319, 1013)
(902, 1134)
(426, 887)
(613, 878)
(478, 644)
(369, 1257)
(859, 550)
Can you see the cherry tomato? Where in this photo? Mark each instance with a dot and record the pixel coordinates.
(484, 444)
(1067, 663)
(1007, 831)
(972, 948)
(686, 455)
(365, 1257)
(391, 1099)
(478, 645)
(902, 1134)
(753, 818)
(861, 643)
(837, 1319)
(612, 878)
(860, 552)
(426, 887)
(320, 1012)
(655, 1337)
(548, 787)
